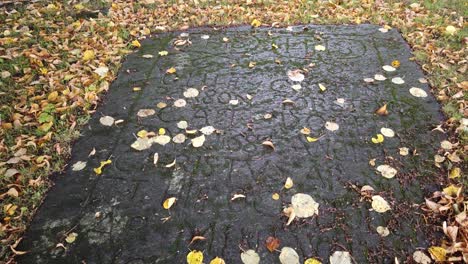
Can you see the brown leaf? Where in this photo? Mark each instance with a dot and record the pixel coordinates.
(272, 243)
(382, 111)
(196, 238)
(268, 143)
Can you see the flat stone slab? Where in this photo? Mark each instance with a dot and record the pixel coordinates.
(245, 94)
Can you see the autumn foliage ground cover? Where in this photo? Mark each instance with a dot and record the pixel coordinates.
(57, 59)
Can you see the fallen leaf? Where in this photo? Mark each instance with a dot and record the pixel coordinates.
(404, 151)
(378, 139)
(289, 183)
(234, 102)
(71, 237)
(380, 77)
(398, 80)
(272, 243)
(383, 231)
(163, 53)
(161, 139)
(387, 171)
(88, 55)
(79, 165)
(102, 71)
(312, 261)
(196, 238)
(382, 111)
(395, 63)
(142, 144)
(311, 139)
(332, 126)
(275, 196)
(289, 212)
(447, 145)
(208, 130)
(368, 80)
(304, 205)
(296, 87)
(98, 170)
(145, 112)
(182, 124)
(255, 23)
(172, 164)
(455, 173)
(169, 202)
(198, 141)
(106, 120)
(217, 260)
(179, 138)
(450, 30)
(340, 257)
(155, 159)
(322, 87)
(171, 70)
(451, 190)
(288, 256)
(250, 257)
(387, 132)
(180, 103)
(237, 196)
(296, 75)
(438, 253)
(136, 43)
(417, 92)
(319, 47)
(147, 56)
(268, 143)
(305, 131)
(191, 93)
(252, 64)
(195, 257)
(379, 204)
(205, 37)
(388, 68)
(421, 258)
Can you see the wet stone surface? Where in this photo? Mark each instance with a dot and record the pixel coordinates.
(127, 197)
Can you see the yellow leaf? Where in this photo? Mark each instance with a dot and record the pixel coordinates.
(10, 209)
(163, 53)
(43, 71)
(171, 70)
(396, 63)
(136, 43)
(438, 253)
(311, 139)
(452, 190)
(79, 6)
(322, 87)
(275, 196)
(98, 170)
(455, 173)
(289, 183)
(162, 131)
(256, 23)
(142, 133)
(52, 96)
(252, 64)
(378, 139)
(45, 127)
(169, 202)
(274, 46)
(88, 55)
(195, 257)
(71, 238)
(217, 260)
(451, 30)
(136, 89)
(312, 261)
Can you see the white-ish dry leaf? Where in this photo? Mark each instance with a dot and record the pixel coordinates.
(208, 130)
(179, 138)
(296, 87)
(388, 68)
(383, 30)
(296, 75)
(106, 120)
(145, 112)
(340, 257)
(398, 80)
(417, 92)
(379, 204)
(172, 164)
(319, 47)
(446, 145)
(162, 139)
(438, 158)
(369, 80)
(383, 231)
(182, 124)
(147, 56)
(198, 141)
(180, 103)
(155, 159)
(332, 126)
(250, 257)
(79, 165)
(102, 71)
(421, 258)
(387, 132)
(340, 102)
(304, 205)
(142, 144)
(237, 196)
(387, 171)
(288, 256)
(380, 77)
(404, 151)
(234, 102)
(205, 37)
(191, 93)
